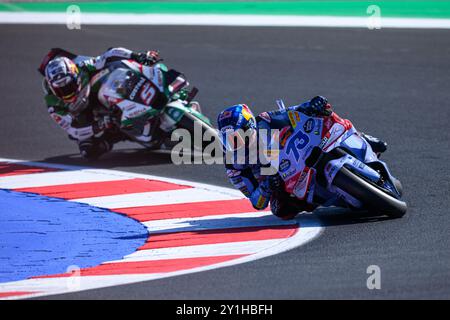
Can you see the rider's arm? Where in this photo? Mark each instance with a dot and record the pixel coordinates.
(303, 107)
(260, 196)
(317, 106)
(65, 120)
(114, 54)
(258, 193)
(92, 65)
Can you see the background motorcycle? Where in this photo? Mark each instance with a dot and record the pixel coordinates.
(147, 103)
(143, 103)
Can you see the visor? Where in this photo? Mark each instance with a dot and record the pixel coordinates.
(234, 140)
(65, 88)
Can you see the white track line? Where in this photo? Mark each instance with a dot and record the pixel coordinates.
(47, 179)
(207, 250)
(255, 219)
(221, 20)
(154, 198)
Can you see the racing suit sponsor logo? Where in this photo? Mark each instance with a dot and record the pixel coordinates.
(309, 125)
(294, 117)
(135, 111)
(288, 174)
(261, 202)
(285, 138)
(233, 173)
(82, 133)
(245, 191)
(284, 165)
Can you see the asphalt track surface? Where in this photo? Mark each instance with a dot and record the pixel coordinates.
(391, 83)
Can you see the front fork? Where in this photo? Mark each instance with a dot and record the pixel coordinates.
(327, 165)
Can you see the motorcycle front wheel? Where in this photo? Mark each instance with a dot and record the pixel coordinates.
(372, 196)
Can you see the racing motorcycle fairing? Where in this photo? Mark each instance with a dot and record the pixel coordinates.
(336, 143)
(135, 96)
(147, 98)
(137, 100)
(363, 161)
(153, 73)
(296, 145)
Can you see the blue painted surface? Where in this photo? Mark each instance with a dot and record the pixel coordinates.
(41, 235)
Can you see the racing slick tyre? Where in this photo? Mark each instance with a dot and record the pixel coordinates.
(398, 186)
(373, 197)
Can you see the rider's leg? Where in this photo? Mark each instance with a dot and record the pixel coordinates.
(378, 145)
(93, 148)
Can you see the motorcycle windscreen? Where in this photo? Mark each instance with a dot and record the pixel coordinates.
(126, 84)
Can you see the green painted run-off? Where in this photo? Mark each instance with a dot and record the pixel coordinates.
(404, 9)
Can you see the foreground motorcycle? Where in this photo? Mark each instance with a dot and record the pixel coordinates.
(324, 161)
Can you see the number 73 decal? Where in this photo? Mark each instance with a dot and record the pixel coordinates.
(297, 142)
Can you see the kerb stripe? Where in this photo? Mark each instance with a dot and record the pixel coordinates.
(201, 237)
(156, 266)
(104, 188)
(187, 210)
(11, 169)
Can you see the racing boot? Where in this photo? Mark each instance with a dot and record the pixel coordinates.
(92, 148)
(378, 146)
(287, 207)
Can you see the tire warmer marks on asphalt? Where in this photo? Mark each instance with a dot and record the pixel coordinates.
(191, 227)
